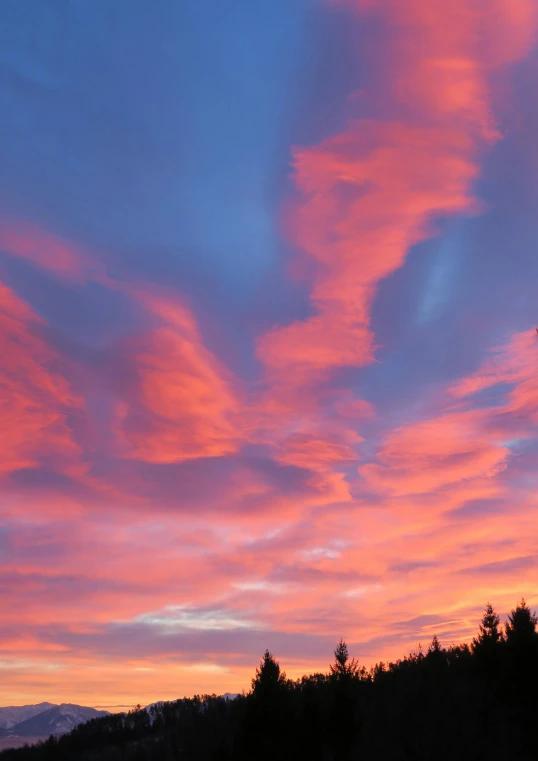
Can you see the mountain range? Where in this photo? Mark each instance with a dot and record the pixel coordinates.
(28, 724)
(12, 715)
(44, 719)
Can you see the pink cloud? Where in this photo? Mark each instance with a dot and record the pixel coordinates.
(459, 443)
(36, 396)
(396, 178)
(430, 454)
(48, 251)
(182, 401)
(515, 365)
(373, 191)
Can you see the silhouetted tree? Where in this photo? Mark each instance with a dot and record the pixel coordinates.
(435, 648)
(269, 678)
(486, 646)
(521, 671)
(436, 657)
(521, 625)
(266, 720)
(344, 667)
(345, 676)
(489, 634)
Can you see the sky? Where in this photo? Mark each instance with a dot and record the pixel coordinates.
(268, 358)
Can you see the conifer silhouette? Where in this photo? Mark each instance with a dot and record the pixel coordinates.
(269, 678)
(343, 666)
(521, 625)
(435, 647)
(489, 634)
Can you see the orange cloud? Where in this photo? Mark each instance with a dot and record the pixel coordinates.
(428, 455)
(181, 404)
(35, 396)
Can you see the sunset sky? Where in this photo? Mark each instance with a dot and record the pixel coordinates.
(268, 358)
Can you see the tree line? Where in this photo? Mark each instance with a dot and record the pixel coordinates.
(466, 702)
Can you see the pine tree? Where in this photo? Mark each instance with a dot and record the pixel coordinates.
(522, 674)
(343, 667)
(521, 625)
(269, 678)
(267, 717)
(489, 634)
(344, 721)
(436, 657)
(435, 648)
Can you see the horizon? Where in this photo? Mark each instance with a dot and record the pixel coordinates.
(268, 337)
(294, 674)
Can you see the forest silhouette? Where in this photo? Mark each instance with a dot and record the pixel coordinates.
(464, 702)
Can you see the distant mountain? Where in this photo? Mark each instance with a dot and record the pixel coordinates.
(56, 720)
(44, 719)
(11, 715)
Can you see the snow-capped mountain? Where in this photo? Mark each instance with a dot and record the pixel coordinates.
(11, 715)
(53, 720)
